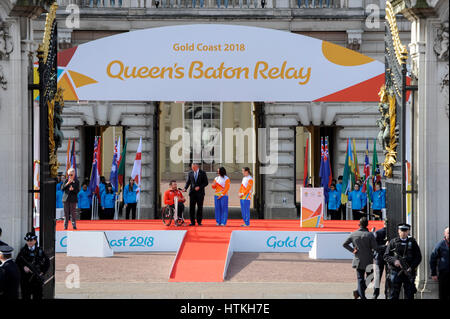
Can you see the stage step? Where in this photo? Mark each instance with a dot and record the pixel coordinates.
(202, 256)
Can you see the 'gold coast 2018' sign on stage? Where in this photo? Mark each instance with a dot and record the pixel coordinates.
(214, 62)
(197, 70)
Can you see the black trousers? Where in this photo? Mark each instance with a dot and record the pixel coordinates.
(444, 285)
(357, 214)
(377, 214)
(30, 290)
(196, 200)
(342, 211)
(108, 213)
(398, 280)
(333, 214)
(362, 275)
(85, 214)
(130, 207)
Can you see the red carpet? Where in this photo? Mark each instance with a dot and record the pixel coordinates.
(202, 255)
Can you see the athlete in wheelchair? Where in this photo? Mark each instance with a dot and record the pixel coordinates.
(174, 205)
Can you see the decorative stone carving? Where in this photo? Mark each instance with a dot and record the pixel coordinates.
(6, 44)
(3, 81)
(354, 39)
(441, 42)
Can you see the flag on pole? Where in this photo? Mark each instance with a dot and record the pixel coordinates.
(305, 167)
(355, 161)
(121, 171)
(113, 177)
(366, 170)
(95, 172)
(67, 158)
(324, 171)
(137, 169)
(73, 159)
(327, 154)
(346, 176)
(376, 176)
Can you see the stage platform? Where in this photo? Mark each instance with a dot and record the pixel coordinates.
(204, 252)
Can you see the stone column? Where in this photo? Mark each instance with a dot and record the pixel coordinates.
(15, 134)
(280, 185)
(176, 121)
(432, 129)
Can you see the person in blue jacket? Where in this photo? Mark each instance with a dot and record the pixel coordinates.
(439, 266)
(59, 196)
(342, 207)
(101, 190)
(129, 199)
(108, 202)
(378, 198)
(84, 203)
(358, 200)
(334, 202)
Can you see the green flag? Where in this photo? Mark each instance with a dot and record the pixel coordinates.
(121, 170)
(376, 176)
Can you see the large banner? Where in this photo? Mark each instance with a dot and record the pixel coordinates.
(313, 202)
(213, 62)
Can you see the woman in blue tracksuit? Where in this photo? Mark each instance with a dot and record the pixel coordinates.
(59, 196)
(108, 202)
(84, 203)
(378, 201)
(358, 200)
(129, 199)
(334, 202)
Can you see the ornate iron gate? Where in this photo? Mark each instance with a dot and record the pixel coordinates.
(392, 106)
(50, 108)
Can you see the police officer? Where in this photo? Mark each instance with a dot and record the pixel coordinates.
(381, 238)
(9, 274)
(403, 257)
(33, 264)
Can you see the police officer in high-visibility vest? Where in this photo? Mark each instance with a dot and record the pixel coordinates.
(403, 256)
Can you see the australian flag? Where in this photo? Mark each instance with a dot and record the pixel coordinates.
(114, 177)
(325, 169)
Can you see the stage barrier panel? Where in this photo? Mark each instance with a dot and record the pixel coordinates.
(88, 244)
(329, 246)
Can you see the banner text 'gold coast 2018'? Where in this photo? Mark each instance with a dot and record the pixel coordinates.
(198, 70)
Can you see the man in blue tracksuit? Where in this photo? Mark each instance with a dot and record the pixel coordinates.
(358, 200)
(84, 203)
(378, 200)
(129, 199)
(334, 203)
(439, 260)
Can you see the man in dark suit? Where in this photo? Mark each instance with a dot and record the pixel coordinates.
(197, 181)
(9, 275)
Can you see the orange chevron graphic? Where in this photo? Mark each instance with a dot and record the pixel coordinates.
(80, 79)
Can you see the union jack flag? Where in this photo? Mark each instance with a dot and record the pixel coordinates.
(95, 172)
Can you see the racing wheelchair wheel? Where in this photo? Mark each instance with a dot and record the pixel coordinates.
(167, 215)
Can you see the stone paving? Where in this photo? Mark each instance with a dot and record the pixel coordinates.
(250, 275)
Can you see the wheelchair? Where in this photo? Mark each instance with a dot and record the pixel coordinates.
(168, 214)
